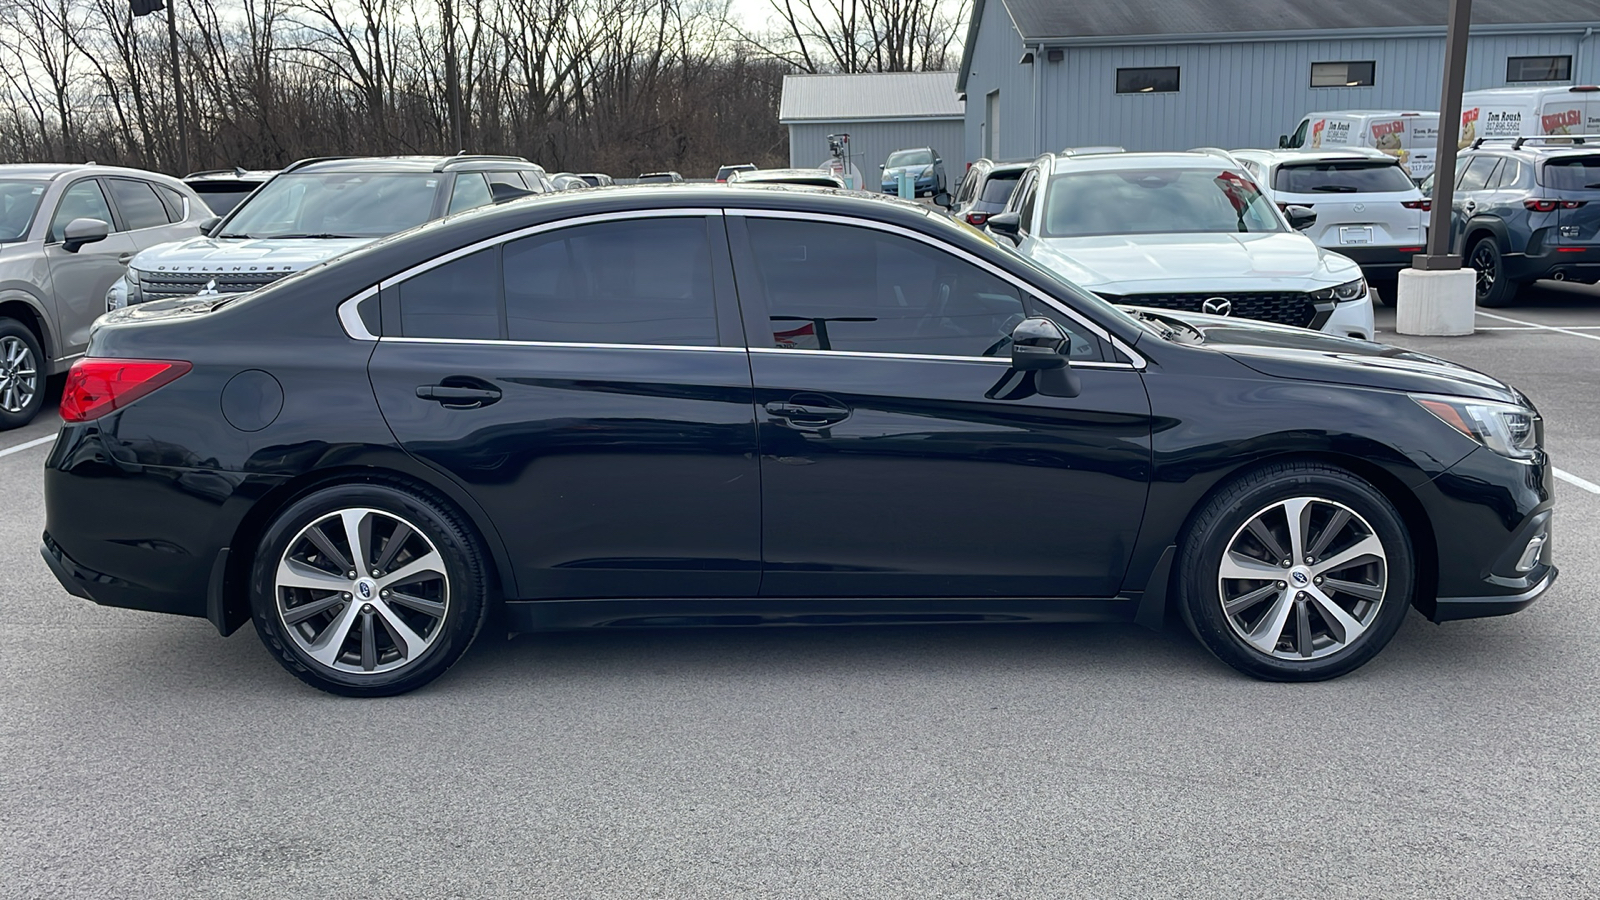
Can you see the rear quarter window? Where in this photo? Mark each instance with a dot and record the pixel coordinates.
(1573, 173)
(1341, 178)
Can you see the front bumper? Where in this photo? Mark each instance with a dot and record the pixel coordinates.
(1352, 319)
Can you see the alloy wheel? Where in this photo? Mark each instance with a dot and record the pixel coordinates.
(19, 375)
(1303, 579)
(1483, 261)
(362, 591)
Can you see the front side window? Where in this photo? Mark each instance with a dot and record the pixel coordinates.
(901, 158)
(1476, 174)
(1341, 178)
(644, 281)
(336, 204)
(1158, 80)
(19, 200)
(1343, 74)
(83, 200)
(471, 191)
(1538, 68)
(138, 203)
(1156, 201)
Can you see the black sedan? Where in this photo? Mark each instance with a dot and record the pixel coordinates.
(647, 407)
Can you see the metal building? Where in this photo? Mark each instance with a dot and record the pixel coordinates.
(1041, 75)
(882, 113)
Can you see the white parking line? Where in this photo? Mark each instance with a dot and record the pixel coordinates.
(1555, 328)
(1572, 479)
(27, 445)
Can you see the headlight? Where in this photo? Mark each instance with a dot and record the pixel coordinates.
(1344, 293)
(124, 292)
(1509, 430)
(927, 170)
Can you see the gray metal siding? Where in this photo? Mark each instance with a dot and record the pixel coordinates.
(872, 142)
(1232, 94)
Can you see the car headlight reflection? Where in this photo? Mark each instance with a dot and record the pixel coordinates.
(1509, 430)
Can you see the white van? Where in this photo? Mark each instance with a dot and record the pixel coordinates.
(1529, 112)
(1408, 135)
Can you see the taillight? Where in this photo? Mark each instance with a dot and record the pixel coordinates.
(1542, 205)
(977, 218)
(1424, 205)
(1572, 204)
(99, 386)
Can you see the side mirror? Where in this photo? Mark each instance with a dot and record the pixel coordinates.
(209, 225)
(1300, 217)
(880, 168)
(1007, 225)
(83, 231)
(1038, 345)
(1283, 142)
(943, 201)
(938, 161)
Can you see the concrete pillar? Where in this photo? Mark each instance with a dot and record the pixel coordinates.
(1438, 302)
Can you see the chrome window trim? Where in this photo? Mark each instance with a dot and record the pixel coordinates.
(1093, 327)
(931, 357)
(350, 316)
(570, 345)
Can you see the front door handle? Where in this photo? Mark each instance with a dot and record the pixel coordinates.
(124, 258)
(805, 415)
(460, 396)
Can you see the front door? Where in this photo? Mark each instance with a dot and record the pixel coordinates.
(585, 385)
(79, 279)
(898, 459)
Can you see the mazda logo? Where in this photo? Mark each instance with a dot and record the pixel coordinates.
(1217, 306)
(1299, 578)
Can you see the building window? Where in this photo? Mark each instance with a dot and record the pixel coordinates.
(1343, 74)
(1160, 80)
(1538, 68)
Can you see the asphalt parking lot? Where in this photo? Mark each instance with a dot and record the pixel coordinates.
(142, 756)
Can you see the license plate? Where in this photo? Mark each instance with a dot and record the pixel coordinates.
(1355, 234)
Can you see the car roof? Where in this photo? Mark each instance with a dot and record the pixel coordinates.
(1402, 113)
(1536, 149)
(1278, 157)
(52, 171)
(1113, 162)
(234, 174)
(459, 163)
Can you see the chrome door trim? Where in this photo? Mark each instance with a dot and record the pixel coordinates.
(569, 345)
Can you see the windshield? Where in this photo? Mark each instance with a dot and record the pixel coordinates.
(336, 204)
(909, 158)
(222, 197)
(1156, 201)
(1573, 173)
(1342, 178)
(18, 201)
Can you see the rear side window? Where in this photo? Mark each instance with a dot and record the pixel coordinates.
(471, 191)
(138, 203)
(999, 186)
(644, 281)
(460, 299)
(1341, 178)
(1573, 173)
(174, 202)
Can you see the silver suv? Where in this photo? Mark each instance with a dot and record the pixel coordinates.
(66, 232)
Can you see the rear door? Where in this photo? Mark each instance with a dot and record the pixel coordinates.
(1359, 203)
(80, 279)
(588, 385)
(1574, 179)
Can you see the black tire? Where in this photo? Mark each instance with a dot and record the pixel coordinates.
(1225, 518)
(465, 590)
(1495, 288)
(11, 332)
(1384, 290)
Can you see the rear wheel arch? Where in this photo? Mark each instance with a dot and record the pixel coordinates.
(247, 536)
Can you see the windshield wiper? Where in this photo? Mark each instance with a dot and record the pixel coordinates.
(243, 237)
(317, 237)
(1334, 189)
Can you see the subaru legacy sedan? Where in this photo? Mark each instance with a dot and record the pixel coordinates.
(640, 407)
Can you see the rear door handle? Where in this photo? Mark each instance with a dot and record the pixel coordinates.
(806, 415)
(456, 396)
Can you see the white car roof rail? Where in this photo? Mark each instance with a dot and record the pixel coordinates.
(1215, 151)
(1090, 151)
(1518, 141)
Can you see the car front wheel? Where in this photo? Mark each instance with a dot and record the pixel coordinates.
(1296, 572)
(368, 590)
(21, 375)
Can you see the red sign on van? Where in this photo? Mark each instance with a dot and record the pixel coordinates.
(1379, 129)
(1559, 123)
(1470, 115)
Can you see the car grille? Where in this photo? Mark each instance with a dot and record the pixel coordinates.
(1284, 308)
(161, 285)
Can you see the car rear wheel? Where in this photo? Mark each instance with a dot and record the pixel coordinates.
(368, 590)
(21, 375)
(1296, 572)
(1495, 288)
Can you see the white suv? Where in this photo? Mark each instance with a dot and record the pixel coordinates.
(1182, 231)
(1367, 207)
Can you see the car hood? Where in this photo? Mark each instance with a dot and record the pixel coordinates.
(1303, 355)
(255, 254)
(1189, 263)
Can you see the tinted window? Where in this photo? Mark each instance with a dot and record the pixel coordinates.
(835, 287)
(337, 204)
(18, 201)
(138, 203)
(1538, 68)
(471, 191)
(83, 200)
(174, 202)
(1573, 173)
(222, 198)
(1162, 80)
(460, 299)
(1506, 176)
(1156, 201)
(1342, 178)
(636, 282)
(1476, 175)
(999, 186)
